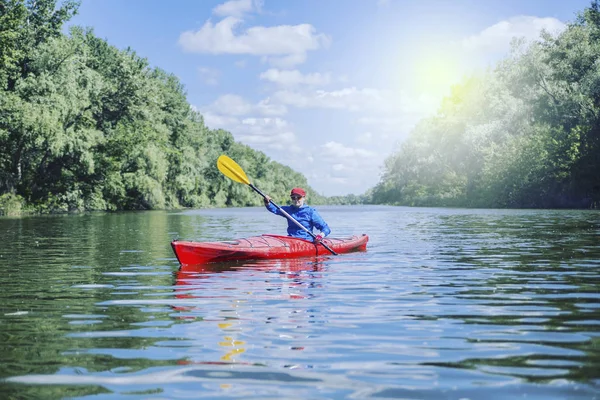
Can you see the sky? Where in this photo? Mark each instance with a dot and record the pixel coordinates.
(330, 88)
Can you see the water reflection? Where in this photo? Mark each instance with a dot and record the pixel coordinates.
(292, 275)
(263, 280)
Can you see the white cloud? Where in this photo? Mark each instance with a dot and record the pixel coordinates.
(295, 77)
(235, 105)
(231, 104)
(288, 61)
(337, 151)
(216, 121)
(209, 76)
(237, 8)
(266, 107)
(274, 122)
(265, 133)
(403, 123)
(283, 141)
(290, 42)
(351, 99)
(497, 37)
(338, 168)
(357, 100)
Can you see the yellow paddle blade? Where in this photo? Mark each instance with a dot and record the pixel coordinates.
(232, 170)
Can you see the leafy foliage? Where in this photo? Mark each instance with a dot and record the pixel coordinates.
(526, 134)
(85, 126)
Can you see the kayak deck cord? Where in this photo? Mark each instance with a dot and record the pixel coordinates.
(266, 242)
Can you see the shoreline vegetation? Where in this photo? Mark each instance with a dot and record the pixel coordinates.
(85, 126)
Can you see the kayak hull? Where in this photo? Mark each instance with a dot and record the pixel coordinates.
(262, 247)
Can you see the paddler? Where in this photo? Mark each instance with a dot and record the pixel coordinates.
(304, 214)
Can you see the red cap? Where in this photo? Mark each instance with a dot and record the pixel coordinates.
(298, 191)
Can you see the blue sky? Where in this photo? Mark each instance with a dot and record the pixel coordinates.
(329, 87)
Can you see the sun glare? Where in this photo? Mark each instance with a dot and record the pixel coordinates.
(436, 73)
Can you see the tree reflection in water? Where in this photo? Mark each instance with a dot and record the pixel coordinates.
(262, 280)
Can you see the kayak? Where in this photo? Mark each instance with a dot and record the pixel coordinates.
(262, 247)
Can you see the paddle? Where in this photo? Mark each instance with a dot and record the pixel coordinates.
(232, 170)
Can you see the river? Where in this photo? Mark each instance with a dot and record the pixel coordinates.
(444, 304)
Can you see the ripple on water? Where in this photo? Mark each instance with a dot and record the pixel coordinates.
(445, 303)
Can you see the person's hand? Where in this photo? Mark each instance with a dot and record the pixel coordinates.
(267, 200)
(319, 238)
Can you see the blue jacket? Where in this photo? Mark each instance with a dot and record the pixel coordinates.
(306, 216)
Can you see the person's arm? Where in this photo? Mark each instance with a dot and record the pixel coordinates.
(320, 224)
(271, 207)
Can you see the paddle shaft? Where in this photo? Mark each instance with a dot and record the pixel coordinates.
(288, 216)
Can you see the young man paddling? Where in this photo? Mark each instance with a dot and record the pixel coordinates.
(307, 216)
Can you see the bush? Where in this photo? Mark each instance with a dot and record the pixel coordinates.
(11, 204)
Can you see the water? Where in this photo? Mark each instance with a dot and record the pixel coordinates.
(445, 304)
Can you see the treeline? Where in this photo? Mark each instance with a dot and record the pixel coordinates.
(86, 126)
(525, 134)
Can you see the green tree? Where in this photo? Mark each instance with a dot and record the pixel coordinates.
(85, 126)
(525, 134)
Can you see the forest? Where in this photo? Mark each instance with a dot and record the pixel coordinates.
(85, 126)
(524, 134)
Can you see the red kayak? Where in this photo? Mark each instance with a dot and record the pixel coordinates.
(262, 247)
